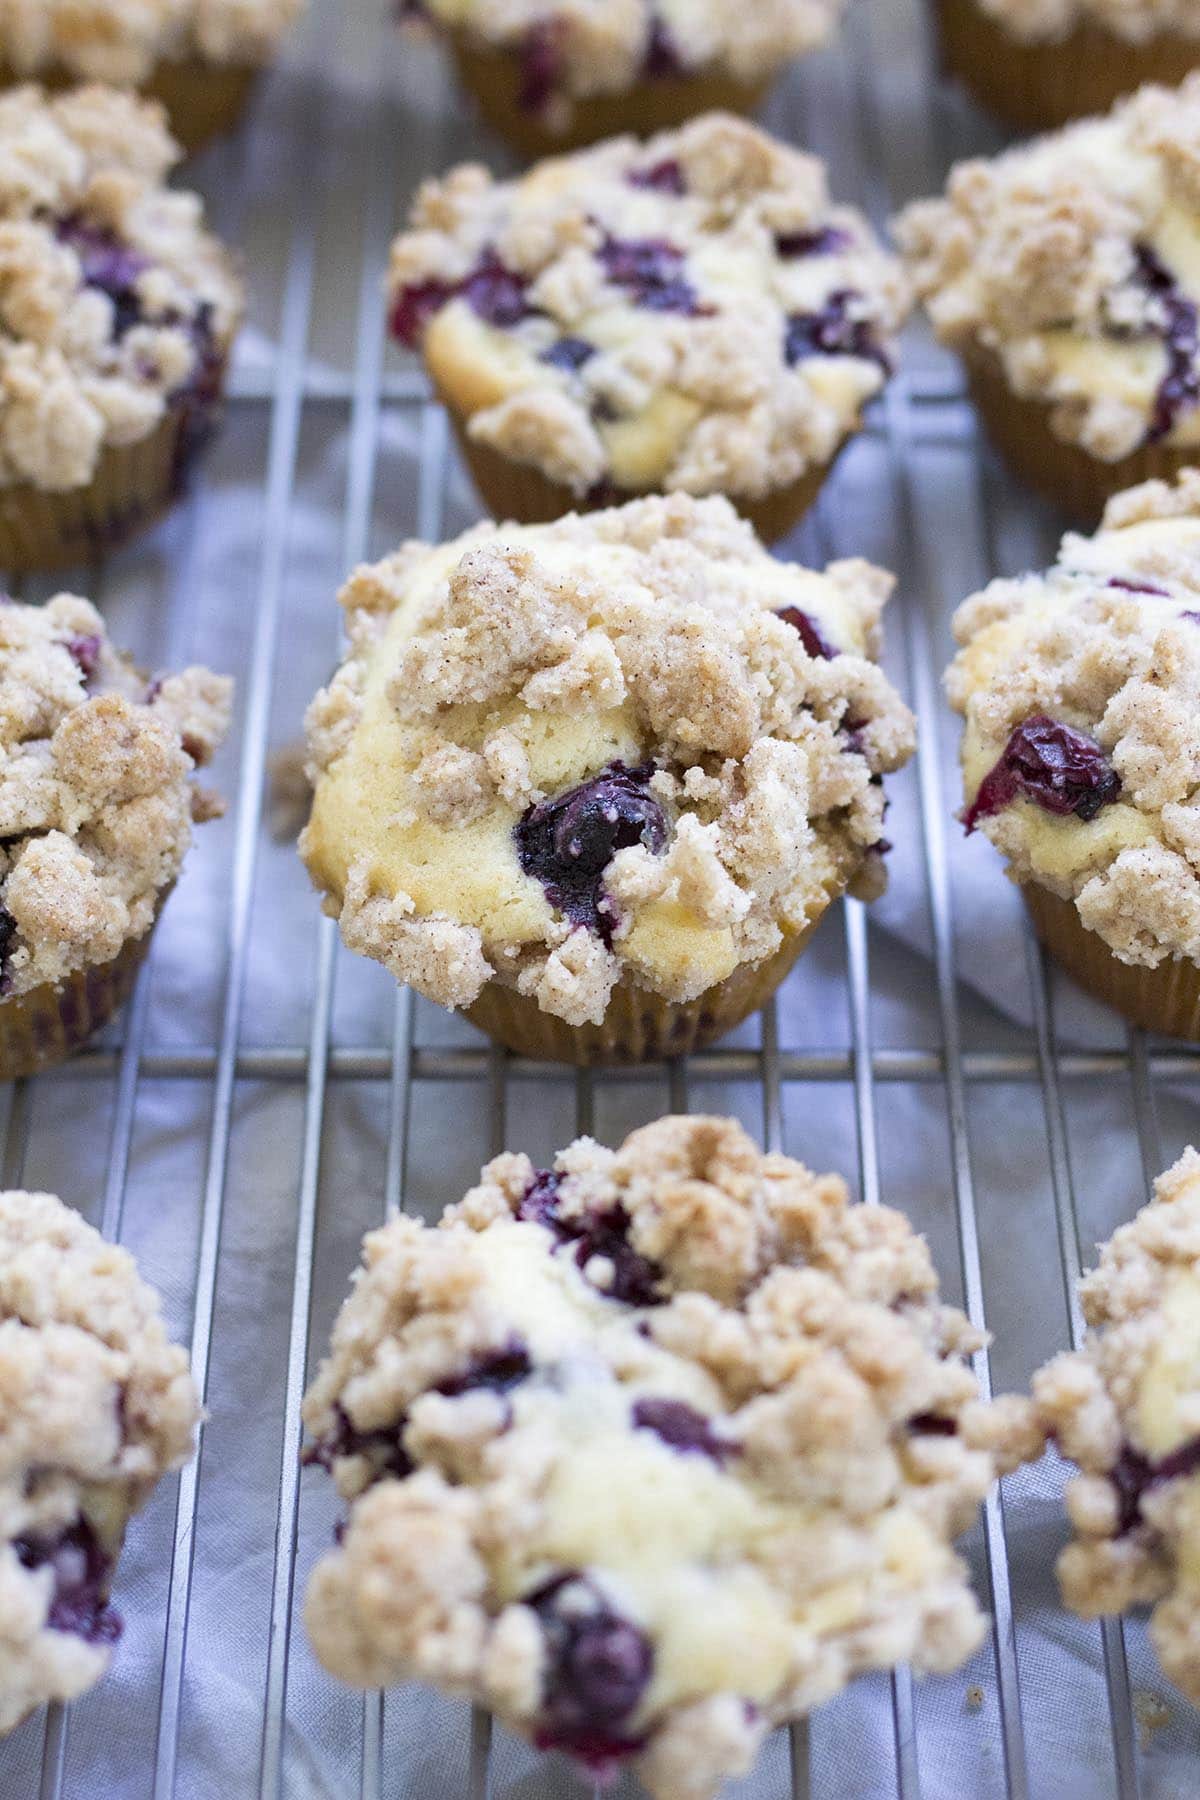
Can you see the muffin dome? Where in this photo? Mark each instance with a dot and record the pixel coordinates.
(690, 313)
(629, 746)
(676, 1415)
(1066, 274)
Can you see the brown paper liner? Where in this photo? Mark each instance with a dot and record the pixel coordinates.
(44, 1026)
(1165, 999)
(1039, 86)
(202, 99)
(493, 79)
(133, 486)
(518, 491)
(1062, 473)
(638, 1026)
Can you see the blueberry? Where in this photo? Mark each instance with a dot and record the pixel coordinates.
(110, 266)
(569, 354)
(682, 1427)
(496, 293)
(811, 635)
(662, 56)
(664, 177)
(833, 331)
(825, 241)
(1179, 389)
(651, 270)
(597, 1669)
(496, 1373)
(567, 843)
(8, 933)
(540, 60)
(1058, 768)
(1133, 1475)
(82, 1572)
(636, 1281)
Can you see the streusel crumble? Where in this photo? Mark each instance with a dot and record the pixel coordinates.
(650, 1452)
(1127, 1409)
(95, 1407)
(1066, 273)
(615, 761)
(1081, 754)
(689, 313)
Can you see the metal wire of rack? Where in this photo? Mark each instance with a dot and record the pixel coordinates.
(285, 1095)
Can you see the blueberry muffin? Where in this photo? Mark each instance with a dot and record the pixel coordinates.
(650, 1452)
(117, 313)
(1066, 275)
(556, 74)
(1126, 1409)
(1037, 64)
(199, 58)
(95, 1408)
(96, 812)
(596, 782)
(1081, 753)
(687, 314)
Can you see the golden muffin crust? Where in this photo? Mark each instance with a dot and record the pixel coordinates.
(678, 1414)
(1136, 21)
(1074, 261)
(605, 48)
(1107, 645)
(687, 313)
(1127, 1409)
(489, 679)
(95, 1407)
(96, 795)
(121, 41)
(114, 299)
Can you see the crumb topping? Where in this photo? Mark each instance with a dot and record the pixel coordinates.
(687, 313)
(96, 796)
(1126, 1409)
(1135, 21)
(556, 756)
(650, 1452)
(1073, 261)
(115, 302)
(571, 48)
(114, 41)
(1081, 754)
(95, 1406)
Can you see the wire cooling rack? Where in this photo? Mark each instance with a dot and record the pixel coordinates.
(267, 1098)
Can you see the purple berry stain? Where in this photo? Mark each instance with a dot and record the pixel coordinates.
(85, 652)
(1052, 764)
(1179, 389)
(826, 240)
(651, 272)
(495, 293)
(811, 636)
(1138, 587)
(662, 59)
(541, 66)
(635, 1280)
(682, 1427)
(833, 331)
(82, 1572)
(108, 265)
(8, 934)
(597, 1668)
(570, 354)
(1134, 1475)
(567, 843)
(665, 177)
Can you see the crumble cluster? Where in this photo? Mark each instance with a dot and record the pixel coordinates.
(688, 313)
(1137, 21)
(1070, 260)
(650, 1452)
(120, 42)
(1126, 1409)
(95, 1406)
(637, 653)
(114, 300)
(96, 800)
(1106, 644)
(608, 49)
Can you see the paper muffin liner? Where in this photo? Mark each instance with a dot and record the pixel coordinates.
(1040, 85)
(493, 79)
(518, 491)
(46, 1025)
(133, 486)
(1165, 999)
(1065, 474)
(202, 99)
(638, 1026)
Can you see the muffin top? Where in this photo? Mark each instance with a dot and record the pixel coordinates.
(114, 300)
(95, 1405)
(1137, 21)
(1081, 754)
(686, 313)
(1074, 262)
(120, 42)
(96, 800)
(625, 744)
(678, 1410)
(569, 48)
(1127, 1410)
